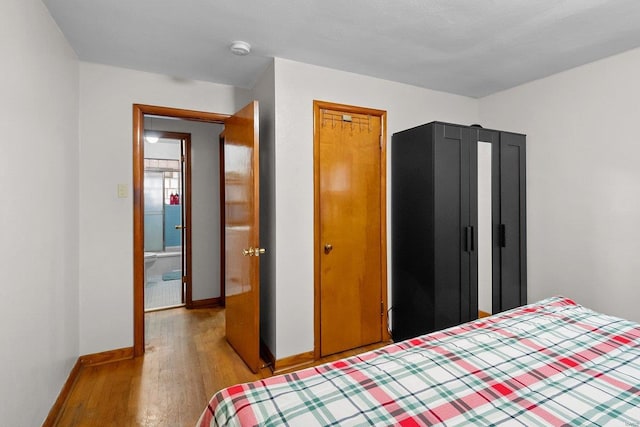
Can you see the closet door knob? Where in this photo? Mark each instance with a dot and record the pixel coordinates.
(328, 248)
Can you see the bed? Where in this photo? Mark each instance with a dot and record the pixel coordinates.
(554, 362)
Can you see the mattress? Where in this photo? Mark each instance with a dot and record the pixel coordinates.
(553, 362)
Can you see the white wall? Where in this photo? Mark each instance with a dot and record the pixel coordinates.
(205, 202)
(163, 149)
(39, 211)
(106, 228)
(296, 86)
(583, 181)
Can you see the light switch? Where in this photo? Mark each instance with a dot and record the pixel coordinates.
(123, 191)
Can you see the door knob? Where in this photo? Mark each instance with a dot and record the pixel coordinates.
(248, 252)
(253, 251)
(327, 248)
(180, 227)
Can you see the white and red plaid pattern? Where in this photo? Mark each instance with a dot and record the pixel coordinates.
(549, 363)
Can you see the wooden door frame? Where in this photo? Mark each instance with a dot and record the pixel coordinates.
(318, 106)
(139, 111)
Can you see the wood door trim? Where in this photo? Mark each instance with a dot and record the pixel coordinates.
(317, 253)
(139, 111)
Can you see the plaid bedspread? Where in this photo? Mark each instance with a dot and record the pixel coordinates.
(549, 363)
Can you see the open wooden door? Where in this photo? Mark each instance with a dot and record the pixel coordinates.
(242, 246)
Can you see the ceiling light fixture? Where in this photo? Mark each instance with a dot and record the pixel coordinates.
(149, 135)
(240, 48)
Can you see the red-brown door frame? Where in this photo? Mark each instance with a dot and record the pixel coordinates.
(139, 111)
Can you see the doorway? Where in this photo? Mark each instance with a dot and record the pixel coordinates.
(239, 142)
(174, 115)
(167, 211)
(350, 227)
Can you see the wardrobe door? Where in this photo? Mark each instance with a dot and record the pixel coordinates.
(513, 221)
(412, 232)
(455, 223)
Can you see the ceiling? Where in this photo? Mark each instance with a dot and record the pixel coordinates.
(467, 47)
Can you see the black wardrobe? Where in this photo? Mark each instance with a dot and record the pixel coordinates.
(434, 214)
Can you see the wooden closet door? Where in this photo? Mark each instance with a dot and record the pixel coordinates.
(351, 258)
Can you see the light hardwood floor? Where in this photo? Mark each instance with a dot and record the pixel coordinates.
(187, 360)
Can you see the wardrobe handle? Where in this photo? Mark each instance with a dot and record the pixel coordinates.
(503, 236)
(467, 238)
(473, 239)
